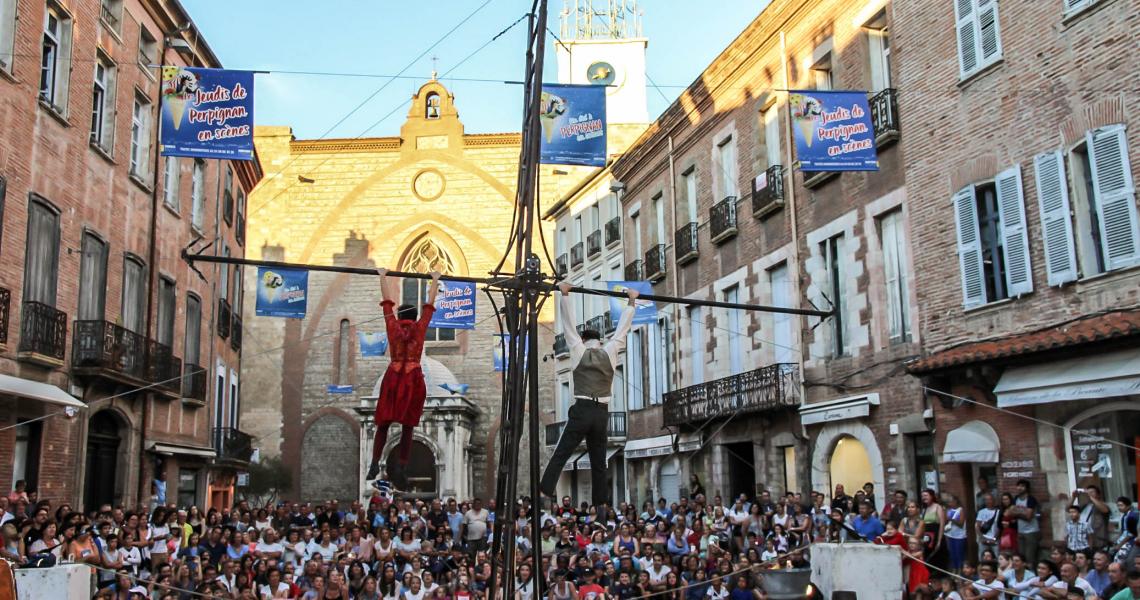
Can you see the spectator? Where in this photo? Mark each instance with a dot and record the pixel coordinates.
(955, 533)
(866, 524)
(1027, 513)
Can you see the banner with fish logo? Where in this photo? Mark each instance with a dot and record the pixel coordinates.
(282, 292)
(833, 131)
(573, 119)
(646, 310)
(207, 113)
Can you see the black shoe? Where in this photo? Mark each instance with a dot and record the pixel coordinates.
(373, 471)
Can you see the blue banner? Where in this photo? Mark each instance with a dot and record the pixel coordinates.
(833, 131)
(646, 310)
(573, 119)
(502, 351)
(282, 292)
(207, 113)
(372, 344)
(454, 306)
(339, 389)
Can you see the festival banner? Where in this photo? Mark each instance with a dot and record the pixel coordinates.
(833, 131)
(207, 113)
(454, 306)
(282, 292)
(502, 351)
(646, 310)
(339, 389)
(573, 119)
(372, 344)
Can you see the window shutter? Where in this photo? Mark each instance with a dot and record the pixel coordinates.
(969, 248)
(967, 37)
(1056, 227)
(988, 31)
(1115, 197)
(1014, 236)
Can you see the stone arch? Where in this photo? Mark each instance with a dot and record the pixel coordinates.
(389, 454)
(825, 443)
(107, 457)
(330, 441)
(432, 234)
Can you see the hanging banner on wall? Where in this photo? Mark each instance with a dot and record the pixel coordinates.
(339, 389)
(207, 113)
(573, 119)
(454, 306)
(833, 131)
(282, 292)
(372, 344)
(646, 310)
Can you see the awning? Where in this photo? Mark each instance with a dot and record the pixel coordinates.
(661, 445)
(180, 449)
(582, 461)
(1087, 377)
(854, 407)
(974, 442)
(37, 390)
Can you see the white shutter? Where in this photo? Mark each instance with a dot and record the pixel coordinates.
(891, 273)
(1056, 226)
(1115, 197)
(988, 32)
(969, 248)
(1072, 5)
(1014, 236)
(967, 37)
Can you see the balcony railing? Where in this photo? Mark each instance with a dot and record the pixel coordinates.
(225, 315)
(615, 428)
(232, 444)
(722, 220)
(594, 243)
(560, 347)
(163, 368)
(633, 271)
(767, 388)
(562, 264)
(108, 16)
(602, 324)
(43, 331)
(655, 262)
(768, 191)
(685, 243)
(235, 335)
(885, 116)
(576, 255)
(5, 307)
(613, 231)
(553, 432)
(104, 348)
(193, 382)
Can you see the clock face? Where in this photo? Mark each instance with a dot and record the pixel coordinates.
(428, 184)
(601, 73)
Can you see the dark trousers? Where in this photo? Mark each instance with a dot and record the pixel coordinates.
(588, 420)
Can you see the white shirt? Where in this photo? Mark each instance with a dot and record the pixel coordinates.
(1080, 582)
(982, 587)
(577, 347)
(159, 546)
(717, 595)
(659, 576)
(270, 548)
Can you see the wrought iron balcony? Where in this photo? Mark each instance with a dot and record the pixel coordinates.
(560, 347)
(615, 428)
(109, 17)
(576, 255)
(655, 263)
(225, 315)
(163, 368)
(602, 323)
(685, 243)
(193, 382)
(613, 231)
(43, 333)
(594, 243)
(885, 116)
(768, 191)
(553, 432)
(235, 335)
(561, 264)
(232, 445)
(634, 272)
(767, 388)
(722, 220)
(102, 348)
(5, 307)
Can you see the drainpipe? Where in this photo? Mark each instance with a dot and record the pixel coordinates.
(676, 294)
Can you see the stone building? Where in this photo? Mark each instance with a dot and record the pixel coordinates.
(98, 311)
(433, 197)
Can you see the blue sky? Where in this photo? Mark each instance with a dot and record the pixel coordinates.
(344, 37)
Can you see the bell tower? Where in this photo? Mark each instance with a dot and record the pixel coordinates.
(602, 44)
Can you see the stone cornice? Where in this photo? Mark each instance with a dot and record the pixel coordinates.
(389, 144)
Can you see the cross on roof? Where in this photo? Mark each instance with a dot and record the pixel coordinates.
(434, 66)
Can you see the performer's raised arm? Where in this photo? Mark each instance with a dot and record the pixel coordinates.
(617, 342)
(433, 290)
(569, 320)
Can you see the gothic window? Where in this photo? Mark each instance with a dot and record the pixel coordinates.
(426, 256)
(432, 111)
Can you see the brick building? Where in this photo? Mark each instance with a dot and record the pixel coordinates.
(1027, 280)
(112, 369)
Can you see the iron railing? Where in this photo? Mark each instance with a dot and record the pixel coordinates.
(105, 346)
(43, 330)
(560, 347)
(613, 231)
(109, 17)
(576, 255)
(163, 368)
(770, 197)
(685, 243)
(5, 307)
(553, 432)
(767, 388)
(885, 115)
(655, 262)
(602, 323)
(634, 272)
(594, 243)
(561, 264)
(225, 316)
(615, 428)
(235, 333)
(232, 444)
(194, 382)
(722, 220)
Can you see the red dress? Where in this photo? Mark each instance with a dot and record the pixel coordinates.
(403, 391)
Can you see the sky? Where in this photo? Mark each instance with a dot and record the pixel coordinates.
(383, 37)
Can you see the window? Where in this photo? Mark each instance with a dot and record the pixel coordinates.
(111, 13)
(415, 293)
(224, 275)
(696, 345)
(689, 184)
(660, 360)
(993, 247)
(220, 400)
(238, 291)
(343, 349)
(879, 51)
(148, 49)
(618, 402)
(192, 343)
(835, 290)
(791, 480)
(561, 240)
(7, 33)
(235, 399)
(134, 294)
(92, 278)
(432, 106)
(140, 136)
(771, 120)
(26, 453)
(55, 65)
(634, 220)
(595, 217)
(578, 237)
(821, 78)
(891, 236)
(171, 181)
(726, 166)
(633, 362)
(564, 401)
(783, 340)
(736, 334)
(103, 104)
(1075, 6)
(228, 197)
(187, 487)
(41, 259)
(166, 310)
(198, 194)
(979, 41)
(239, 229)
(659, 215)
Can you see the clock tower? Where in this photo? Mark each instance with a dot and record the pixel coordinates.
(602, 45)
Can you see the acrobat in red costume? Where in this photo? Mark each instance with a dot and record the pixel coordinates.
(402, 391)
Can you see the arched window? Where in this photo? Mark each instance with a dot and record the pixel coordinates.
(426, 256)
(344, 350)
(432, 109)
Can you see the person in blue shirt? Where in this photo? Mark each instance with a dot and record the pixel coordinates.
(867, 525)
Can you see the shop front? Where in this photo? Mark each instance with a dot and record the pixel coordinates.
(845, 449)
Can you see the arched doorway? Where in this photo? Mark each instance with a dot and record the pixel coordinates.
(103, 442)
(850, 465)
(1115, 468)
(421, 474)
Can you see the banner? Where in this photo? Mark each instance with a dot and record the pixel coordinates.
(454, 306)
(207, 113)
(833, 131)
(573, 119)
(501, 352)
(282, 292)
(339, 389)
(456, 388)
(646, 310)
(372, 344)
